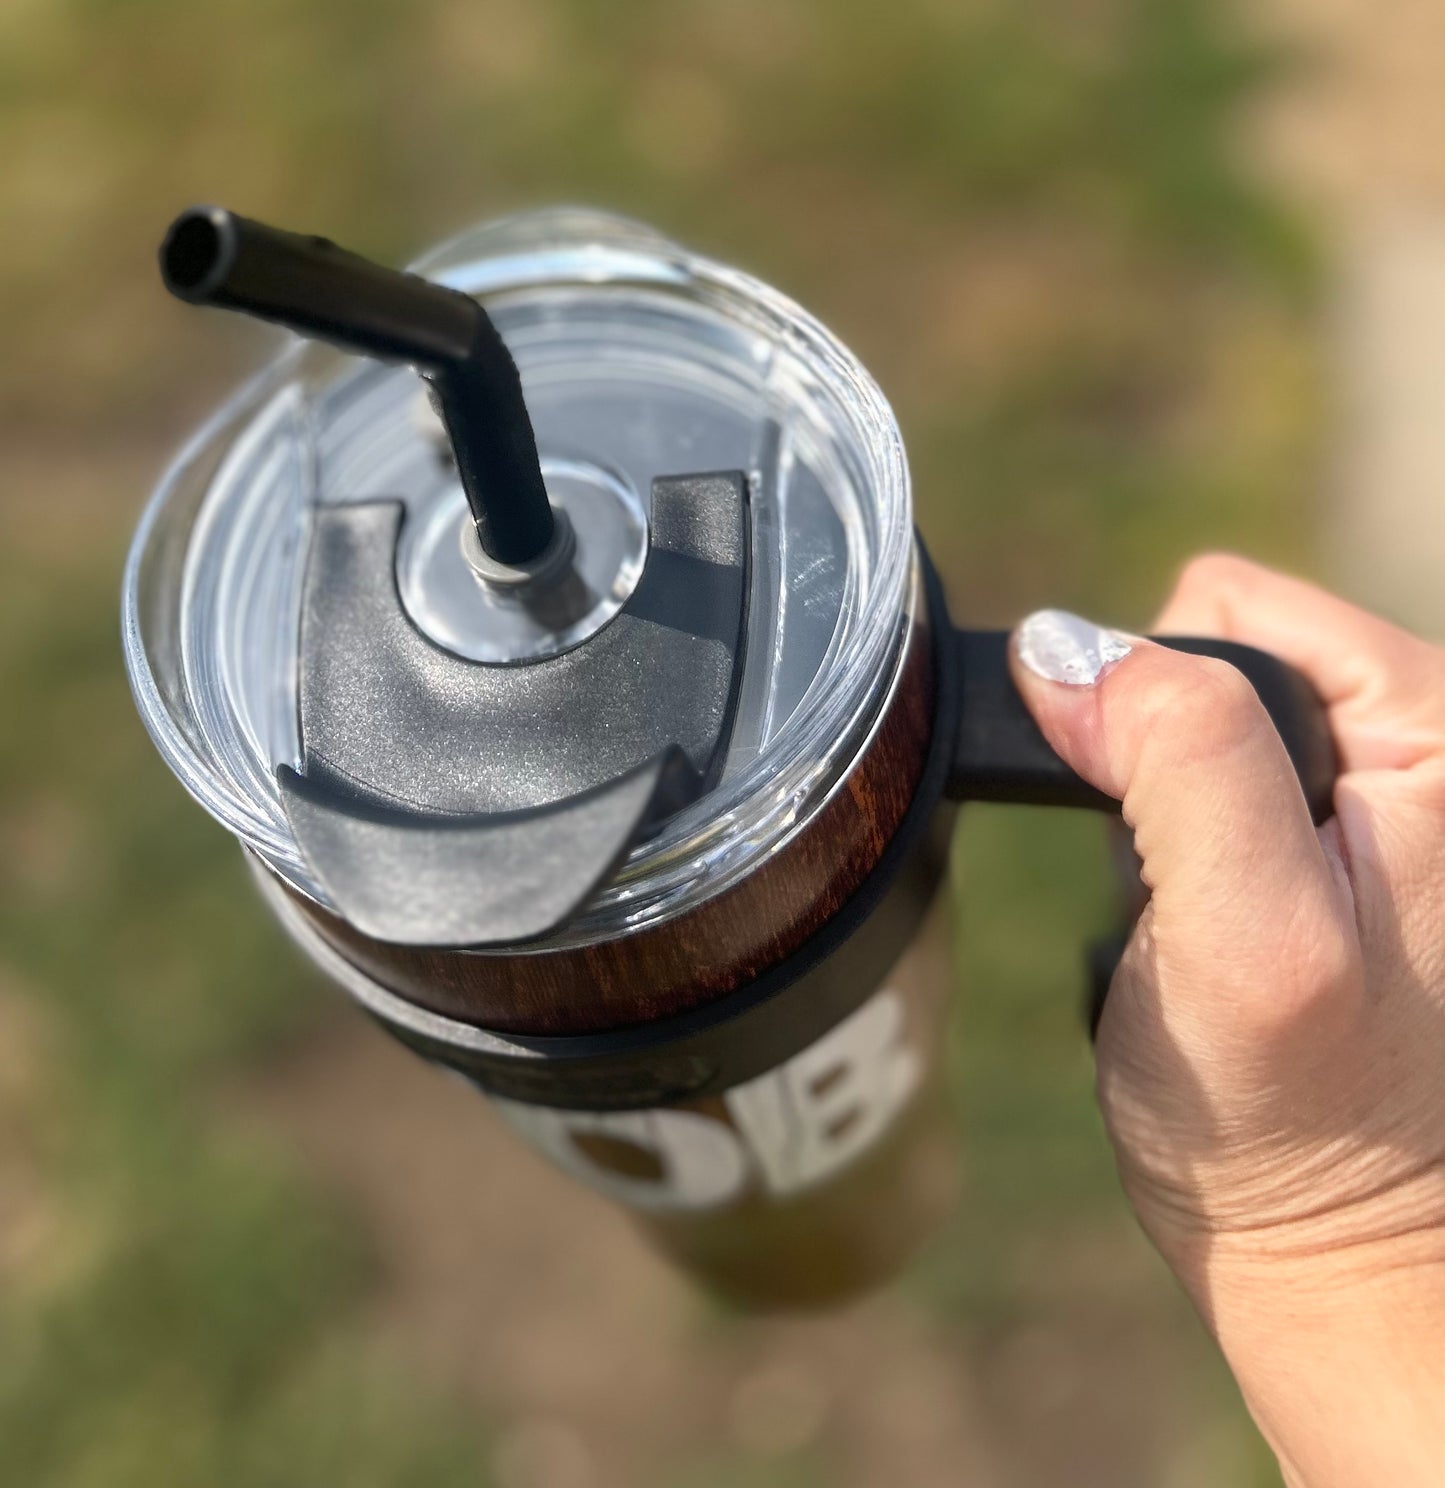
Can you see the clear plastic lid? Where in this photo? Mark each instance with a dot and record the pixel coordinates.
(638, 360)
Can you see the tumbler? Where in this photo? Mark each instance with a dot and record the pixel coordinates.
(549, 626)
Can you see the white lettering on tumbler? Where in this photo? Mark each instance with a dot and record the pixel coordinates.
(793, 1127)
(812, 1116)
(696, 1163)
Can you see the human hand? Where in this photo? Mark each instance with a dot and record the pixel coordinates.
(1270, 1058)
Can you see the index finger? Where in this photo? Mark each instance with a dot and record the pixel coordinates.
(1383, 687)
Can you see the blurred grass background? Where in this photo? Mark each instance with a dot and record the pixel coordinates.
(1034, 221)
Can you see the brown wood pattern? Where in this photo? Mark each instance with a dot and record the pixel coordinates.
(712, 949)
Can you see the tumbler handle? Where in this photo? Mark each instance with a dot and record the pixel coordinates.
(1000, 754)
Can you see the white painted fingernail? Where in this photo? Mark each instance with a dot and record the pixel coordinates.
(1061, 647)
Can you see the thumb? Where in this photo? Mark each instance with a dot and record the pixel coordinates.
(1236, 870)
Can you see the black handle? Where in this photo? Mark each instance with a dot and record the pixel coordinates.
(1000, 755)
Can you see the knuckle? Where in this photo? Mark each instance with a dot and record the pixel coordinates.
(1214, 572)
(1430, 786)
(1207, 708)
(1324, 959)
(1319, 977)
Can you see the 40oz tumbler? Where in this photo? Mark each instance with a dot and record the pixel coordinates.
(589, 711)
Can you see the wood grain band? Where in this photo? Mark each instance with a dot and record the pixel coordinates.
(707, 951)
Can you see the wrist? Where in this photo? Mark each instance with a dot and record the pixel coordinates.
(1338, 1355)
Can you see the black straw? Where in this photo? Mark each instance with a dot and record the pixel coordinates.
(213, 257)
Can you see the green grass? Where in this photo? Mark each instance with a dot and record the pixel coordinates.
(191, 1314)
(1030, 219)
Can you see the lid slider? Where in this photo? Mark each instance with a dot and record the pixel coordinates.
(445, 802)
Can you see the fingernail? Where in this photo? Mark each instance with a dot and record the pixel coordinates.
(1060, 647)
